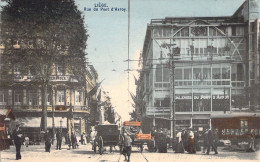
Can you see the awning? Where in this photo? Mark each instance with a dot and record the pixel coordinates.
(36, 122)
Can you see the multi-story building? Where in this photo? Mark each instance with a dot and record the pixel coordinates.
(24, 94)
(215, 68)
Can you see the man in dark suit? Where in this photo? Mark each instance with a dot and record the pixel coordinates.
(212, 141)
(59, 139)
(17, 137)
(48, 139)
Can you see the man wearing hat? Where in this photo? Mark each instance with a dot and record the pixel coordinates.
(17, 137)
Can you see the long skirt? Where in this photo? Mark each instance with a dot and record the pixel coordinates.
(191, 146)
(179, 148)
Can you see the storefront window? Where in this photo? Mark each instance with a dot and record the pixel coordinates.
(201, 100)
(221, 99)
(183, 105)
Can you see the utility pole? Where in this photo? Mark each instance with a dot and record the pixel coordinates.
(172, 90)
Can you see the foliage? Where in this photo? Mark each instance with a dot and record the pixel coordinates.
(48, 32)
(39, 36)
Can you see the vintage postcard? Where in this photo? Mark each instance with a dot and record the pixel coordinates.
(129, 80)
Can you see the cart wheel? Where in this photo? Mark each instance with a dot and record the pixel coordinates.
(95, 146)
(100, 145)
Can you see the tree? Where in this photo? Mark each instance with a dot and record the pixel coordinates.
(39, 36)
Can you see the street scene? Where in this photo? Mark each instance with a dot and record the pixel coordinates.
(129, 80)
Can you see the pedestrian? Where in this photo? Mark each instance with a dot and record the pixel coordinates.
(17, 137)
(185, 137)
(179, 147)
(127, 146)
(81, 139)
(59, 139)
(68, 140)
(205, 140)
(196, 140)
(74, 141)
(93, 136)
(84, 139)
(251, 143)
(212, 141)
(26, 141)
(190, 143)
(48, 139)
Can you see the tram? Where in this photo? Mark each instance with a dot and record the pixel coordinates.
(237, 127)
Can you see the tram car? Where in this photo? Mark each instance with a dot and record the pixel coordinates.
(138, 138)
(239, 128)
(108, 135)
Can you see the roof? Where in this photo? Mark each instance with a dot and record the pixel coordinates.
(234, 115)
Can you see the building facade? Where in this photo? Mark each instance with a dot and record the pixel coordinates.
(22, 91)
(212, 61)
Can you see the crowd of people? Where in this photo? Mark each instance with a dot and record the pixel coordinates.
(188, 140)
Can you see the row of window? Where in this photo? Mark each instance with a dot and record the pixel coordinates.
(241, 131)
(197, 31)
(199, 83)
(201, 73)
(33, 97)
(185, 105)
(60, 70)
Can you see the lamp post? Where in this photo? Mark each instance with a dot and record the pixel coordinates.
(172, 89)
(61, 125)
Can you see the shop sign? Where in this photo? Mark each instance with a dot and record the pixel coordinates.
(202, 97)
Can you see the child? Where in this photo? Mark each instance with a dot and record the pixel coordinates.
(127, 146)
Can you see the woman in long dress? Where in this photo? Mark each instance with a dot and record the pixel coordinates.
(191, 144)
(179, 148)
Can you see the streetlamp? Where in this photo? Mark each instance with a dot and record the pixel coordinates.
(172, 88)
(61, 125)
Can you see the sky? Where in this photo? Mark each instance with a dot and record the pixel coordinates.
(108, 42)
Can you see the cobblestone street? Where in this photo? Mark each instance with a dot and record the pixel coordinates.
(84, 153)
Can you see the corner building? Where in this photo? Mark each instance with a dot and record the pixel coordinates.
(216, 68)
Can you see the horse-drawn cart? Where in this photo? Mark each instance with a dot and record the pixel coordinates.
(138, 138)
(108, 135)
